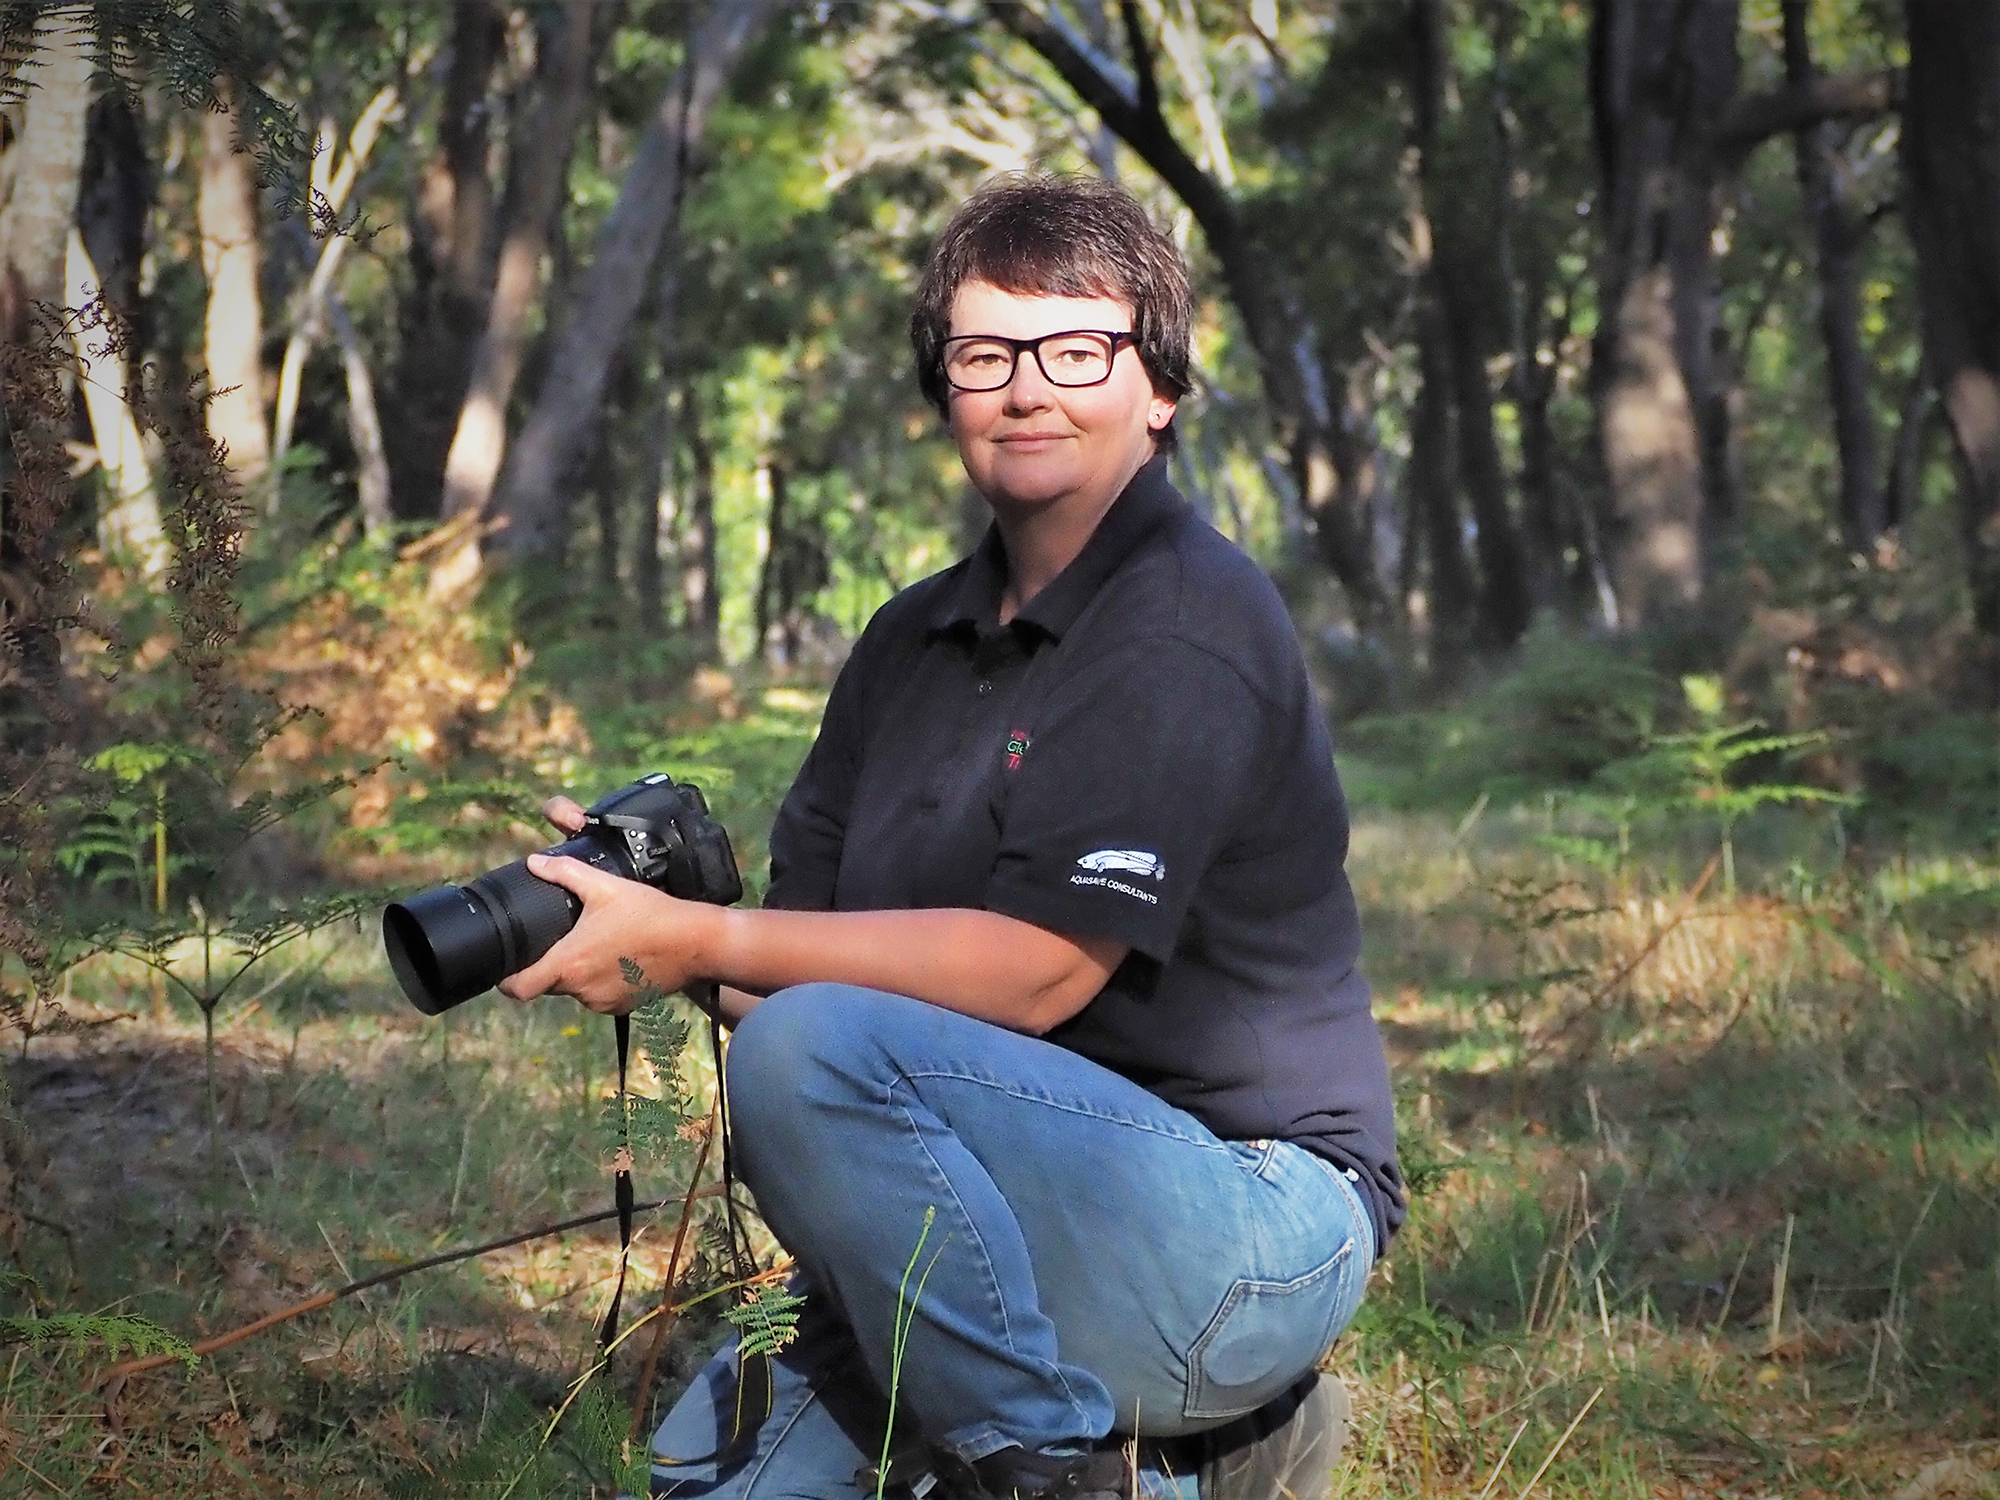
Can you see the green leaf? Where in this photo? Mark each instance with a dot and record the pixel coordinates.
(766, 1320)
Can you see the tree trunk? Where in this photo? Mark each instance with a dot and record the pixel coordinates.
(1450, 597)
(770, 577)
(1542, 522)
(364, 425)
(129, 526)
(113, 202)
(1951, 175)
(331, 187)
(1906, 454)
(701, 593)
(530, 511)
(1838, 234)
(657, 490)
(46, 165)
(1454, 317)
(231, 256)
(450, 264)
(535, 197)
(1658, 72)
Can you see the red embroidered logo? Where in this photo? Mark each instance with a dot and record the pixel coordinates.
(1017, 746)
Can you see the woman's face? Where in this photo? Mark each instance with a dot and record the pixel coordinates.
(1032, 443)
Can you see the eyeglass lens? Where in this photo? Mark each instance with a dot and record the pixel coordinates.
(982, 364)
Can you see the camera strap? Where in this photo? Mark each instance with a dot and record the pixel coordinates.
(621, 1188)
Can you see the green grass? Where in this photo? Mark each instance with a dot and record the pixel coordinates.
(1805, 1075)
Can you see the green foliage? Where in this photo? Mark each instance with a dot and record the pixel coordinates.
(117, 1334)
(766, 1320)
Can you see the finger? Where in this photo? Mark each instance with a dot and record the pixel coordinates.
(572, 875)
(536, 980)
(564, 813)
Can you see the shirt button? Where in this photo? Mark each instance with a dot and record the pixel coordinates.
(985, 687)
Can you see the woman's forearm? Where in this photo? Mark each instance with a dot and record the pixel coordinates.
(978, 963)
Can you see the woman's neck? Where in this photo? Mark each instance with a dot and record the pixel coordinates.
(1042, 540)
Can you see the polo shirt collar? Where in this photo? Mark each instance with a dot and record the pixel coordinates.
(1146, 501)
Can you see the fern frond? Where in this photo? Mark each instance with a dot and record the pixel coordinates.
(118, 1332)
(766, 1320)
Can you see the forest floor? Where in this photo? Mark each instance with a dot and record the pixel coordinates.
(1708, 1203)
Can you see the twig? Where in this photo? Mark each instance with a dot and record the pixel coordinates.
(114, 1379)
(1659, 937)
(1560, 1441)
(1500, 1468)
(1778, 1278)
(666, 1321)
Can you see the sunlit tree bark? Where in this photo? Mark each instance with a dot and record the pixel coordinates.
(43, 170)
(231, 257)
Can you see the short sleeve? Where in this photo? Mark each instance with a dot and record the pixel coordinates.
(1134, 775)
(811, 827)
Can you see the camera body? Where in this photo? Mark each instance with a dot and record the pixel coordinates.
(451, 943)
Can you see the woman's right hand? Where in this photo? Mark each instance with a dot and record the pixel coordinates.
(566, 814)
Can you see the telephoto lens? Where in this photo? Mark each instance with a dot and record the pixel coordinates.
(457, 941)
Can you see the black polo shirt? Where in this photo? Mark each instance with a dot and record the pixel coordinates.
(1137, 755)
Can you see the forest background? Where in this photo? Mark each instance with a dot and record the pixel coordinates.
(415, 409)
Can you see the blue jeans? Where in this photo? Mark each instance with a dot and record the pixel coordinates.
(1098, 1261)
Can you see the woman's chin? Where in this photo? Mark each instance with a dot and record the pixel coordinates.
(1031, 480)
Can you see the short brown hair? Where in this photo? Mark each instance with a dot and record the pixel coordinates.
(1050, 234)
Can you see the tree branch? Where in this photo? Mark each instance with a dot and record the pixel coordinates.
(1142, 60)
(1754, 118)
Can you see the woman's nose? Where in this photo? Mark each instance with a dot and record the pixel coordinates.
(1030, 389)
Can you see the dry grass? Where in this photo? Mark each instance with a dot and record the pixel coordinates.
(1792, 1096)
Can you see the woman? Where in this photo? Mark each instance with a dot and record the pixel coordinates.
(1056, 973)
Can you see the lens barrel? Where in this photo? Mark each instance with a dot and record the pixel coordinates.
(451, 943)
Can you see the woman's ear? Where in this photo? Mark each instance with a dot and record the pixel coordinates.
(1159, 413)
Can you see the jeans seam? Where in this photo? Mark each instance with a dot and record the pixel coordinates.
(1029, 1097)
(973, 1239)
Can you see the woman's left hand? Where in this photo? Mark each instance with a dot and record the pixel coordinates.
(621, 919)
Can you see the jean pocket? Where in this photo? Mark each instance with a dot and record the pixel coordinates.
(1264, 1336)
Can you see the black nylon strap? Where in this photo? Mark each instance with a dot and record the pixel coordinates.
(621, 1187)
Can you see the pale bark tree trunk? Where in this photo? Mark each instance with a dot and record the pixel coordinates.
(530, 511)
(130, 525)
(1838, 234)
(231, 257)
(332, 187)
(1951, 175)
(44, 168)
(364, 425)
(541, 164)
(450, 265)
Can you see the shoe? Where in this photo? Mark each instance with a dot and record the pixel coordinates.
(1017, 1474)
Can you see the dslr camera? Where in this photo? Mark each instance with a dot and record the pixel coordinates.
(457, 941)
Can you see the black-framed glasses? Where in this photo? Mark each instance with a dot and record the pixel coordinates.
(985, 361)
